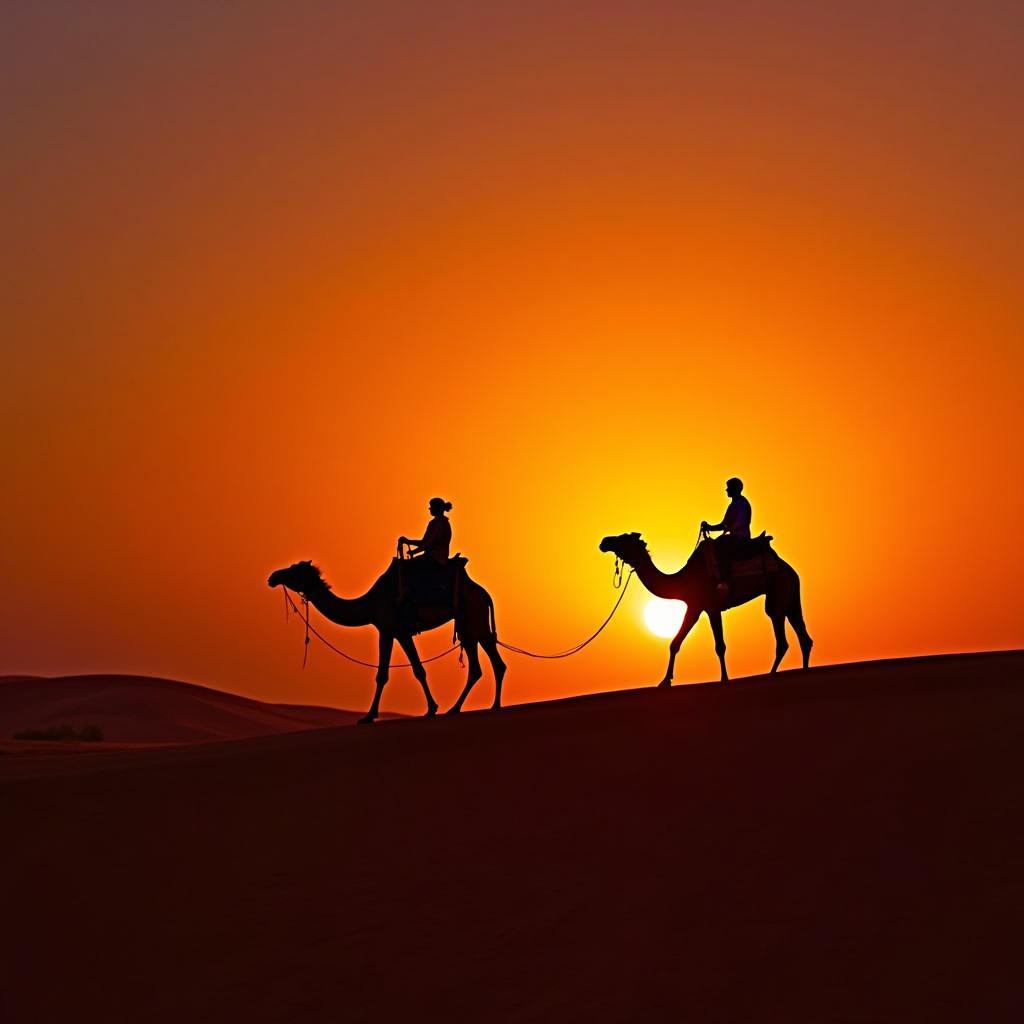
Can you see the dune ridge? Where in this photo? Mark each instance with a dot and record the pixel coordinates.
(145, 709)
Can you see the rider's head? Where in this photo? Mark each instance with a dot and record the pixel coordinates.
(733, 486)
(438, 506)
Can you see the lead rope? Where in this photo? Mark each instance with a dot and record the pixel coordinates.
(289, 602)
(590, 639)
(620, 581)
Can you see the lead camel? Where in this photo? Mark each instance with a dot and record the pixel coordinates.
(695, 584)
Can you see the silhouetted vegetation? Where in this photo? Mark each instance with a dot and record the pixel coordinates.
(63, 733)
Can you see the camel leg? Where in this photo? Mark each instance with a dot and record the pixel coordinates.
(475, 672)
(715, 618)
(385, 642)
(409, 646)
(796, 620)
(490, 646)
(689, 621)
(781, 643)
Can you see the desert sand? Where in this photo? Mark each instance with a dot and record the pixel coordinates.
(134, 710)
(843, 844)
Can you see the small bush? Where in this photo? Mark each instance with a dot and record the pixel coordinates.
(63, 734)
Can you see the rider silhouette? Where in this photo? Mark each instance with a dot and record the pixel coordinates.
(736, 524)
(437, 538)
(429, 556)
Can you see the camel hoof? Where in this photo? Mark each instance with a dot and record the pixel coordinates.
(367, 720)
(452, 711)
(431, 711)
(664, 684)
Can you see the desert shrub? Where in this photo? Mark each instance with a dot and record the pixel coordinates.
(62, 733)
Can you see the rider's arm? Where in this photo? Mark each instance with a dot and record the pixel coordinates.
(725, 524)
(422, 541)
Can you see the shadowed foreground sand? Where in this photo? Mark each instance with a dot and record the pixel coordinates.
(839, 845)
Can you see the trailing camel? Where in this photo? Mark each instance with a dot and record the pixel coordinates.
(395, 617)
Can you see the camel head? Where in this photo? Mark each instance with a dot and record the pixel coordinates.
(302, 577)
(630, 547)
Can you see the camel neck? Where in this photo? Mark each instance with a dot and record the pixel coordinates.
(345, 612)
(661, 584)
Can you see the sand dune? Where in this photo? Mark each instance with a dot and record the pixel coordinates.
(140, 709)
(838, 845)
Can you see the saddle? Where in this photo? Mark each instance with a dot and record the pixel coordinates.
(755, 548)
(425, 582)
(753, 557)
(762, 564)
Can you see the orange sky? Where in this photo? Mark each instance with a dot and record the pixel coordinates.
(275, 276)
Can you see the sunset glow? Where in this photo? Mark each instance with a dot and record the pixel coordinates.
(663, 618)
(274, 282)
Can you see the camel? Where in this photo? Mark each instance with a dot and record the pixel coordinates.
(695, 585)
(381, 606)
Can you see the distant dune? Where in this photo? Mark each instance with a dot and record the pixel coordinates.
(838, 845)
(140, 709)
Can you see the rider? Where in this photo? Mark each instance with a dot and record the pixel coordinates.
(429, 554)
(437, 538)
(736, 524)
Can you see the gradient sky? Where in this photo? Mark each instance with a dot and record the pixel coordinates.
(275, 274)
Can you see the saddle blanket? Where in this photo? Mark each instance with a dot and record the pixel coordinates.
(766, 563)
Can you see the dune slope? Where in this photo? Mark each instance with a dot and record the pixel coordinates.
(140, 709)
(837, 845)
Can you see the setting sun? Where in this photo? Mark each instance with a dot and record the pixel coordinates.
(663, 618)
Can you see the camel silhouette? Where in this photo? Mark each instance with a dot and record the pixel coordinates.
(695, 584)
(381, 606)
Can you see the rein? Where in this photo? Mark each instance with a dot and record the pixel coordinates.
(290, 605)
